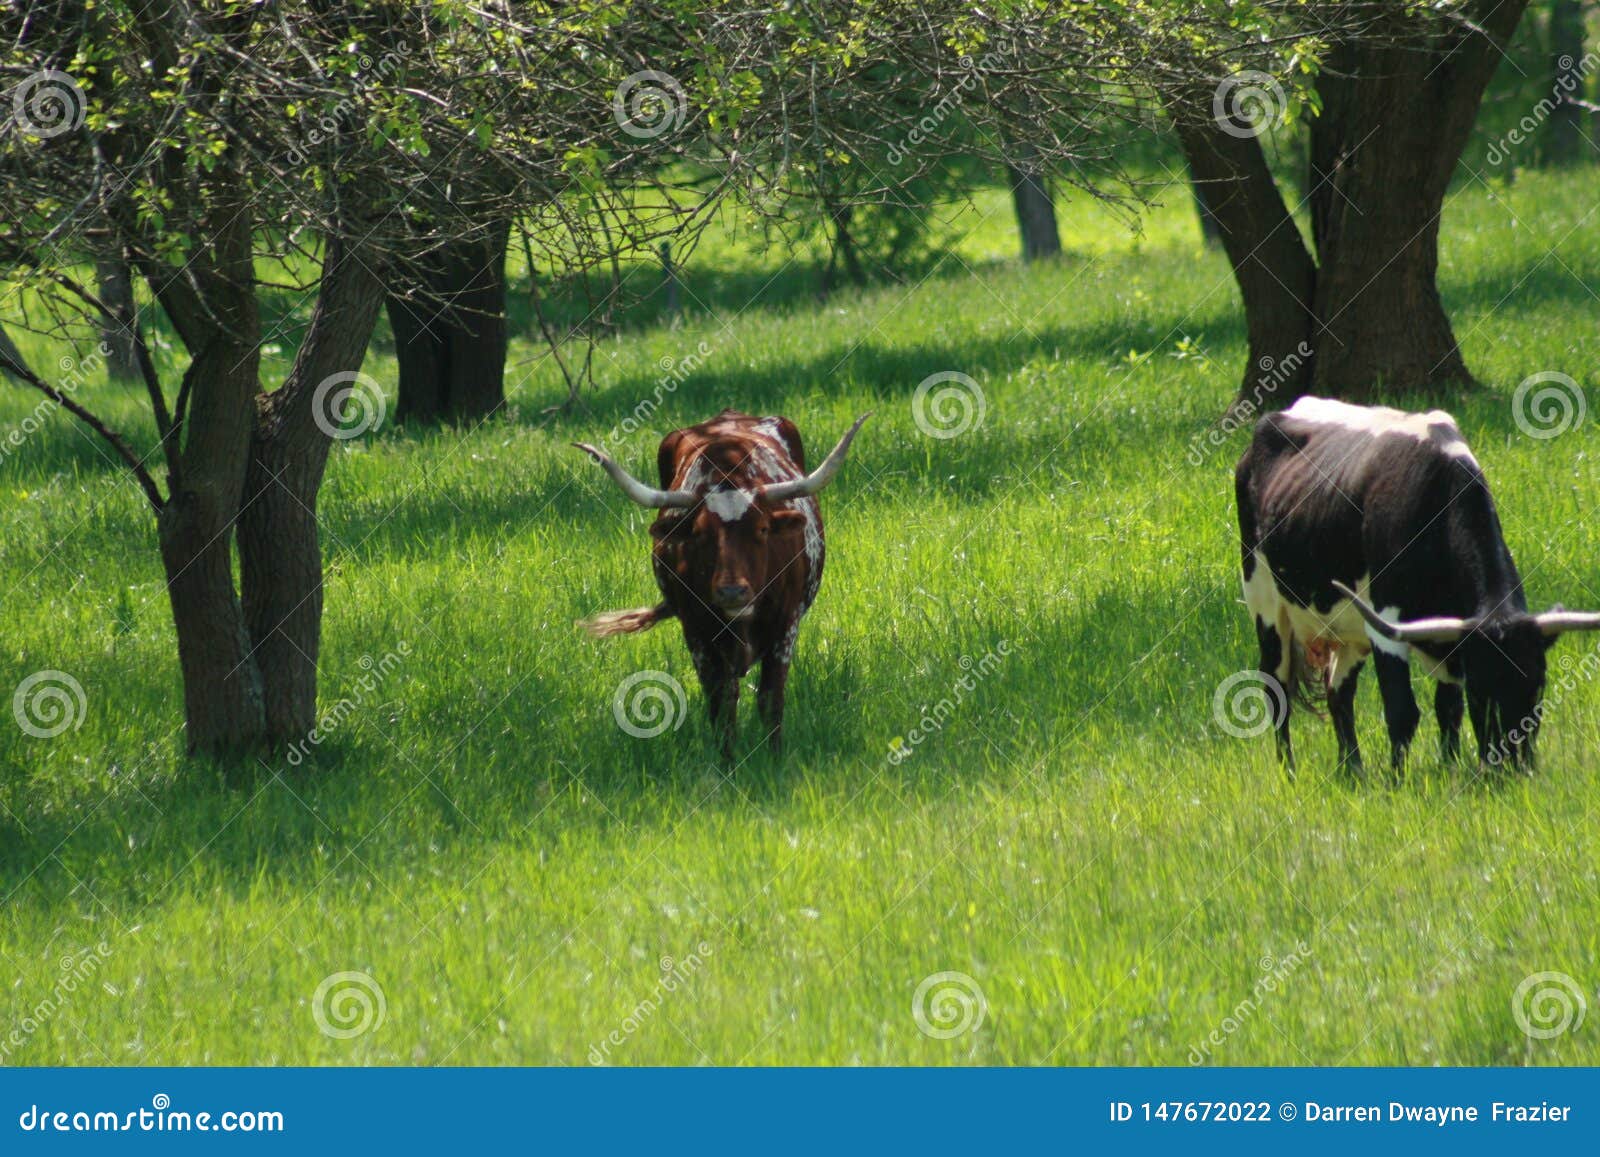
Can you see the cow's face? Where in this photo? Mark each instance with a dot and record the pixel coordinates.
(727, 550)
(1504, 669)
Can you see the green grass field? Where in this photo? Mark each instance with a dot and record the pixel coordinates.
(1122, 881)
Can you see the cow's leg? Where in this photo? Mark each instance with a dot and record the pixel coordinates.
(1277, 660)
(1342, 710)
(769, 698)
(1448, 707)
(721, 687)
(1399, 705)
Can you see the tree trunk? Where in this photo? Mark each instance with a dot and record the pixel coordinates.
(1565, 132)
(115, 281)
(221, 686)
(280, 552)
(1210, 231)
(450, 334)
(1276, 276)
(1366, 314)
(1036, 213)
(221, 689)
(844, 246)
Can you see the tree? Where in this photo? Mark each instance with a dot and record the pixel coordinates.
(1036, 211)
(450, 330)
(1360, 307)
(211, 141)
(1567, 137)
(115, 281)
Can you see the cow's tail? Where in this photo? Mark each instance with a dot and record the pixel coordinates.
(610, 623)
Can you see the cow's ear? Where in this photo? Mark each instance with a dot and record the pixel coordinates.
(787, 519)
(666, 522)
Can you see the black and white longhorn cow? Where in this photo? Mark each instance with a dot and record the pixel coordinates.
(1344, 510)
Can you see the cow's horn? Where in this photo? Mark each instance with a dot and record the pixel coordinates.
(820, 477)
(633, 488)
(1559, 622)
(1442, 629)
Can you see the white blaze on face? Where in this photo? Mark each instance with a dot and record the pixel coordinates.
(1436, 427)
(729, 505)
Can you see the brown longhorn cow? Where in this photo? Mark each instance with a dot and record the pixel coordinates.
(738, 553)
